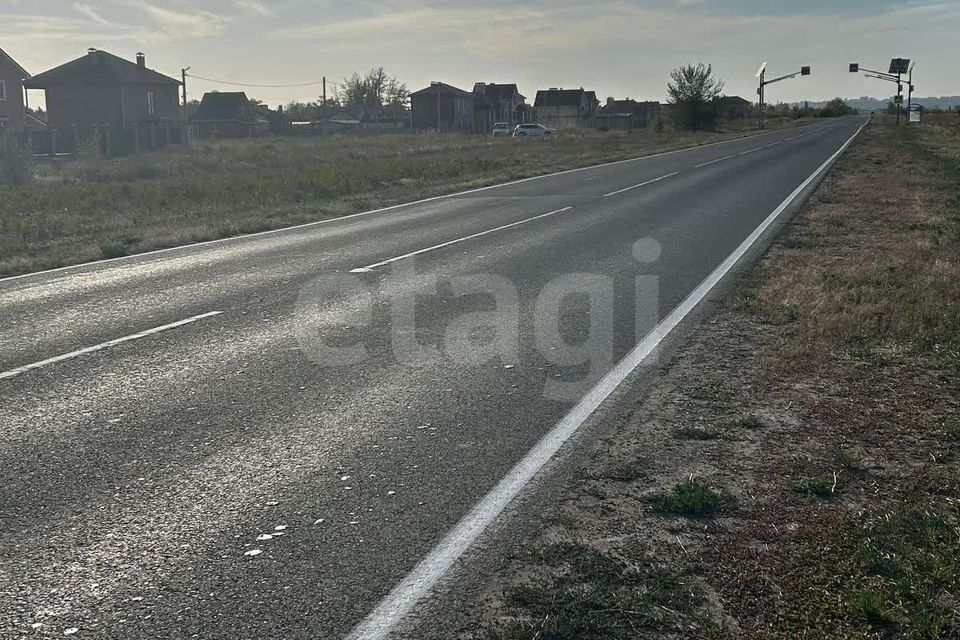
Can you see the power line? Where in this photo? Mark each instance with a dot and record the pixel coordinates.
(263, 86)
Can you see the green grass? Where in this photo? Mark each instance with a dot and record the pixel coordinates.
(691, 499)
(593, 595)
(912, 565)
(820, 487)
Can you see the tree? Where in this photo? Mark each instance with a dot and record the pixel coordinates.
(376, 88)
(692, 91)
(836, 108)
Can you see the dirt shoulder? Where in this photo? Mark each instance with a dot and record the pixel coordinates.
(795, 469)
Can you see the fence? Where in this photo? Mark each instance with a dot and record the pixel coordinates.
(101, 139)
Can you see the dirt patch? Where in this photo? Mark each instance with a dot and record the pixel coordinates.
(794, 470)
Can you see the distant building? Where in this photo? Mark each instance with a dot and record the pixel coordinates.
(733, 108)
(12, 77)
(229, 114)
(101, 88)
(626, 114)
(495, 103)
(566, 108)
(442, 107)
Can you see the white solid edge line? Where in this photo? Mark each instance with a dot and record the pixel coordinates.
(12, 373)
(642, 184)
(371, 267)
(707, 164)
(402, 598)
(315, 223)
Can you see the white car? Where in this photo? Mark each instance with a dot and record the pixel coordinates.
(501, 129)
(524, 130)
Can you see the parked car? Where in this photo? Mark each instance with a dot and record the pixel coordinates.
(502, 129)
(524, 130)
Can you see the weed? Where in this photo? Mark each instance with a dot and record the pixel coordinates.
(691, 499)
(821, 487)
(751, 422)
(849, 461)
(592, 595)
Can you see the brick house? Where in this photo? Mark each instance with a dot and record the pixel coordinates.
(566, 108)
(101, 88)
(12, 76)
(442, 107)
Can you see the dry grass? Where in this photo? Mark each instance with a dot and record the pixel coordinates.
(56, 214)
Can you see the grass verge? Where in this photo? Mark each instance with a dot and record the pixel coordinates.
(59, 213)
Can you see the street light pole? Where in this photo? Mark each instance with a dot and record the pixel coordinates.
(762, 74)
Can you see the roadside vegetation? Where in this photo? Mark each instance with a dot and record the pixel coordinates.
(52, 214)
(829, 505)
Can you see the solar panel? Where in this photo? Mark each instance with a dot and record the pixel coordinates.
(899, 65)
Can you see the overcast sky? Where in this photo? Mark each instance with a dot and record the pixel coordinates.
(622, 49)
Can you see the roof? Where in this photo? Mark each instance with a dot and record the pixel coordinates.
(444, 88)
(496, 92)
(98, 66)
(227, 105)
(626, 107)
(560, 97)
(734, 100)
(6, 56)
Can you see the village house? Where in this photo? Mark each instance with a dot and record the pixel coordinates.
(626, 114)
(12, 108)
(495, 103)
(566, 108)
(733, 108)
(229, 114)
(103, 89)
(442, 107)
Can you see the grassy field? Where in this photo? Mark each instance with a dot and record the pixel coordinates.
(795, 472)
(75, 211)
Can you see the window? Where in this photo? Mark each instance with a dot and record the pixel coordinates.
(3, 90)
(151, 105)
(3, 122)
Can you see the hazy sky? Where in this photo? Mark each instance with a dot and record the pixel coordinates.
(617, 48)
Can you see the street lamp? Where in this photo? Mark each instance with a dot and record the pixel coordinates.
(898, 67)
(761, 91)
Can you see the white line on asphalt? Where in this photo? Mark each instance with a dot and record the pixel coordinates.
(418, 583)
(12, 373)
(748, 151)
(775, 143)
(371, 267)
(642, 184)
(317, 223)
(707, 164)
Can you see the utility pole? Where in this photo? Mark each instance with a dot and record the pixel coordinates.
(898, 67)
(324, 91)
(762, 75)
(186, 117)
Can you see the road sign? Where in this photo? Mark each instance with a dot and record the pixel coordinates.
(854, 67)
(898, 99)
(804, 71)
(915, 116)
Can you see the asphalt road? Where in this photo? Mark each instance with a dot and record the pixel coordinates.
(137, 477)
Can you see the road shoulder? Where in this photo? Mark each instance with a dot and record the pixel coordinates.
(792, 470)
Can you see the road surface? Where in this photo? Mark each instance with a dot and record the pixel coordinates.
(165, 417)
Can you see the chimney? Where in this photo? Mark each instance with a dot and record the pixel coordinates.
(141, 60)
